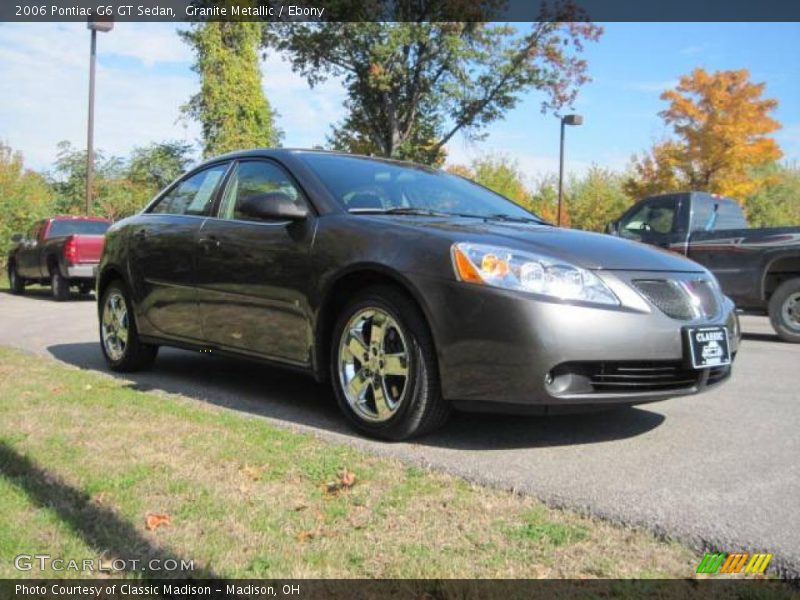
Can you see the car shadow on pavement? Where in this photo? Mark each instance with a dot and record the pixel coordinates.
(283, 395)
(763, 337)
(46, 294)
(100, 527)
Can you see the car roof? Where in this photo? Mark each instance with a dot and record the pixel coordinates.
(279, 153)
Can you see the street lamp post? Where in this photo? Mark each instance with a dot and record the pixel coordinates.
(94, 27)
(565, 120)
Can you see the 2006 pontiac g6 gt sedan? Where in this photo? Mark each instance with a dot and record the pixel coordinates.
(411, 290)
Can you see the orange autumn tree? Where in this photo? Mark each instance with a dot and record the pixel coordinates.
(721, 124)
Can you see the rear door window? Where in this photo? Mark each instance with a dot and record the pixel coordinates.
(716, 214)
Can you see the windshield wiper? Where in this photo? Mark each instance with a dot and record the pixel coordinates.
(400, 210)
(511, 219)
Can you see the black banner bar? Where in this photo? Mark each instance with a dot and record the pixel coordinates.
(412, 589)
(399, 10)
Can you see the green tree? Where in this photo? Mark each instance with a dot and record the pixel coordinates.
(25, 197)
(596, 198)
(231, 106)
(777, 203)
(413, 85)
(159, 163)
(68, 177)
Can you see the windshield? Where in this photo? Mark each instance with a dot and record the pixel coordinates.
(374, 186)
(60, 228)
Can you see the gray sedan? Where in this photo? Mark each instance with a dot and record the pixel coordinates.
(411, 290)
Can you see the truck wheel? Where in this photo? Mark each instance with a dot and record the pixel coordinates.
(59, 286)
(784, 310)
(119, 338)
(15, 282)
(383, 366)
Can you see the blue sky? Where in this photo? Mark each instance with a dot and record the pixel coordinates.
(144, 76)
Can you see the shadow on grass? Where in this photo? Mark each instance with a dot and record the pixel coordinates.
(99, 526)
(289, 397)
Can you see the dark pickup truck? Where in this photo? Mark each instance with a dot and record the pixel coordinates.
(59, 251)
(759, 269)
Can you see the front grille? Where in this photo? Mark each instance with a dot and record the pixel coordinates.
(684, 300)
(641, 376)
(666, 296)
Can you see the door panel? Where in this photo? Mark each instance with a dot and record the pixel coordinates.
(27, 255)
(162, 269)
(253, 275)
(163, 246)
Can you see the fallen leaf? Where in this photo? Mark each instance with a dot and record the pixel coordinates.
(299, 507)
(153, 520)
(100, 498)
(87, 386)
(305, 536)
(253, 473)
(348, 478)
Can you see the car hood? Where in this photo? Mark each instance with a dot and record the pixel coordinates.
(581, 248)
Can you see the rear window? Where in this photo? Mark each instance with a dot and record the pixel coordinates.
(59, 228)
(716, 214)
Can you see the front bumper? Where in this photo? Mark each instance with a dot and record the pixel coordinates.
(507, 348)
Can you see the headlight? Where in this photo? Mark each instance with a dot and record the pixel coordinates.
(528, 272)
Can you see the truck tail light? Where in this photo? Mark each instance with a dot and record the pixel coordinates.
(71, 250)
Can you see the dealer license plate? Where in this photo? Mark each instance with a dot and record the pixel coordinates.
(708, 347)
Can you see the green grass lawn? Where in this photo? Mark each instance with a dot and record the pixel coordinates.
(84, 458)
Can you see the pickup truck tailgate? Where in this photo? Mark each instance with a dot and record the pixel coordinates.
(88, 248)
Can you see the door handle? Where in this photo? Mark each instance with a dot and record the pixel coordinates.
(140, 235)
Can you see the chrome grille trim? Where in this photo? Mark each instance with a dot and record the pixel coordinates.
(681, 299)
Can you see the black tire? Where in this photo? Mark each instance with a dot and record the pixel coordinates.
(15, 282)
(786, 326)
(59, 285)
(422, 408)
(136, 356)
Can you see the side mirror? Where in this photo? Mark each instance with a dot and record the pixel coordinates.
(273, 206)
(17, 238)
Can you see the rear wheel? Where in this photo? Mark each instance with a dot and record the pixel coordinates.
(59, 286)
(784, 310)
(383, 367)
(15, 282)
(119, 337)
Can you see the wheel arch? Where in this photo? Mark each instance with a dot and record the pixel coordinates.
(776, 271)
(109, 274)
(344, 286)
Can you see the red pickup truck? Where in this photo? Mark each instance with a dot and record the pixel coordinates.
(60, 251)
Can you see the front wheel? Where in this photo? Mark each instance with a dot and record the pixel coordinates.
(119, 337)
(784, 310)
(383, 366)
(15, 282)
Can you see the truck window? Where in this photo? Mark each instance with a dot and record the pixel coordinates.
(657, 215)
(715, 214)
(59, 228)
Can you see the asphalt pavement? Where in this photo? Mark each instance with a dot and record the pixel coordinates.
(718, 471)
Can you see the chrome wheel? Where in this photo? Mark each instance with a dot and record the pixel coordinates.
(791, 311)
(374, 364)
(115, 326)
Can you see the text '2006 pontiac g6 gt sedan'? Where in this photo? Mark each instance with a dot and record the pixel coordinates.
(411, 290)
